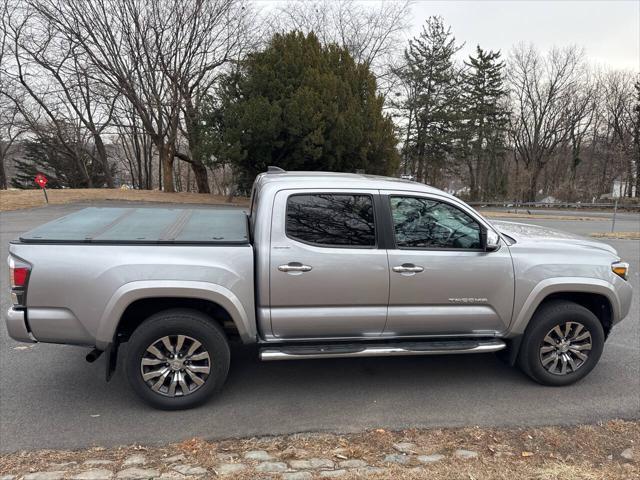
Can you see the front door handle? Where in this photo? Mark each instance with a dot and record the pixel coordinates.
(408, 268)
(295, 267)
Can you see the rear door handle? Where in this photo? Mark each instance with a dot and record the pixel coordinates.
(295, 267)
(408, 268)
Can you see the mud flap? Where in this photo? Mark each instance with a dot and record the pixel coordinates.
(510, 354)
(111, 354)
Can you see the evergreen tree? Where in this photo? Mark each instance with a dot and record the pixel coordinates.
(432, 82)
(49, 157)
(483, 124)
(303, 106)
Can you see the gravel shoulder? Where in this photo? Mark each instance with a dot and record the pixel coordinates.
(607, 450)
(618, 235)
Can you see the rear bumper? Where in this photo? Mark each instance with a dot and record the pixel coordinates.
(16, 321)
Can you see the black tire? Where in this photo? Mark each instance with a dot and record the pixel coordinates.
(172, 323)
(549, 315)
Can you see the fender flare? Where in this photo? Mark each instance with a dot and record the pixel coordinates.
(138, 290)
(562, 285)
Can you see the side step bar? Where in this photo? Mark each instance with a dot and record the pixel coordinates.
(381, 349)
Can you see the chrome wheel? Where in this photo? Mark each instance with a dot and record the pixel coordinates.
(175, 365)
(565, 348)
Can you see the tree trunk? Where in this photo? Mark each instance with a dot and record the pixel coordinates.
(533, 182)
(194, 139)
(473, 187)
(165, 154)
(630, 178)
(516, 183)
(202, 177)
(104, 161)
(3, 174)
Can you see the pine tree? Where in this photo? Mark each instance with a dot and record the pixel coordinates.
(483, 124)
(46, 155)
(432, 81)
(304, 106)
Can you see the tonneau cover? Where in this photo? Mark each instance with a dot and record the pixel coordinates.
(146, 226)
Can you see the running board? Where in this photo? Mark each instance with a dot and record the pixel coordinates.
(381, 349)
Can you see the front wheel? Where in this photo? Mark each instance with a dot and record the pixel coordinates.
(562, 344)
(177, 359)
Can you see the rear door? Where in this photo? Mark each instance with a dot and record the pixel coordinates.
(442, 282)
(328, 276)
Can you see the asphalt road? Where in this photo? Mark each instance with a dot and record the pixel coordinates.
(51, 398)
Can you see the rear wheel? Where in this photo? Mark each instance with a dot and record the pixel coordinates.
(562, 344)
(177, 359)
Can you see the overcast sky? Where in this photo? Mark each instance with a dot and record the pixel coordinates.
(608, 30)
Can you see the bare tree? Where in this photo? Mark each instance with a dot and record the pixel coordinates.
(218, 32)
(372, 33)
(160, 54)
(9, 130)
(580, 116)
(127, 43)
(636, 132)
(135, 145)
(58, 79)
(542, 88)
(618, 90)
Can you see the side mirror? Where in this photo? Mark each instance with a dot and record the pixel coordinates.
(489, 240)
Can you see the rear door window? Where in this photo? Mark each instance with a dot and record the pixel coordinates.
(332, 220)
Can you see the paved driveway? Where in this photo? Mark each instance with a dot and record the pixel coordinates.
(51, 398)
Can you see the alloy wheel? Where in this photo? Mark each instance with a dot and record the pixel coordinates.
(565, 348)
(175, 365)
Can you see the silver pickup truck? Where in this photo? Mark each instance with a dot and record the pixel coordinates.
(324, 265)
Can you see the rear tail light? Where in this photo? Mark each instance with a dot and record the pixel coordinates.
(19, 278)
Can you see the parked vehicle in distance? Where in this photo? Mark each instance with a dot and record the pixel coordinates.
(324, 265)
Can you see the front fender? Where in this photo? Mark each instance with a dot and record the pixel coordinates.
(138, 290)
(561, 285)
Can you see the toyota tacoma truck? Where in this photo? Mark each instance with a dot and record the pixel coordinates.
(323, 265)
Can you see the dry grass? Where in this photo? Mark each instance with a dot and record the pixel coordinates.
(539, 216)
(20, 199)
(617, 235)
(579, 452)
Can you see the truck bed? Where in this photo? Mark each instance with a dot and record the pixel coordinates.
(162, 226)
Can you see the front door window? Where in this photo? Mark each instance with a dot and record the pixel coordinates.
(427, 223)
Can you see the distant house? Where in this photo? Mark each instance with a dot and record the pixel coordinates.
(619, 189)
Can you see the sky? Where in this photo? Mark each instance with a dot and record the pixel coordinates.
(609, 31)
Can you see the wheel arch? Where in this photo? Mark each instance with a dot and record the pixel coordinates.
(596, 303)
(141, 309)
(595, 295)
(124, 311)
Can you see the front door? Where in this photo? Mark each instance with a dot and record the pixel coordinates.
(442, 282)
(328, 278)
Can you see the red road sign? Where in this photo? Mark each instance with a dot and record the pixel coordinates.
(41, 180)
